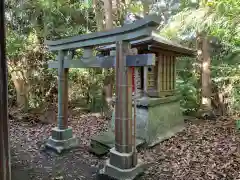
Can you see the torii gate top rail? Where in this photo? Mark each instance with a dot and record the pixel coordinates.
(141, 31)
(141, 28)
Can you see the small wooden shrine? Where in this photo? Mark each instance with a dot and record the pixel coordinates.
(158, 113)
(138, 55)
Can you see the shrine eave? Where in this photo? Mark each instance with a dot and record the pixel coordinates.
(156, 43)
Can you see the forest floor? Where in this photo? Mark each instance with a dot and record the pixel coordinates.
(204, 150)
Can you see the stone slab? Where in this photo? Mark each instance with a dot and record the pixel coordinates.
(102, 143)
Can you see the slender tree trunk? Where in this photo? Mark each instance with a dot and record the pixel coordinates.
(206, 76)
(21, 90)
(20, 77)
(99, 15)
(109, 79)
(108, 14)
(145, 7)
(205, 62)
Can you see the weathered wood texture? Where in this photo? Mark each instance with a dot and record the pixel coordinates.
(123, 128)
(140, 29)
(106, 62)
(166, 75)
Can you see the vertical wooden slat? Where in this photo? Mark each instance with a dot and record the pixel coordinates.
(170, 72)
(145, 80)
(174, 74)
(164, 73)
(156, 73)
(173, 71)
(159, 74)
(167, 73)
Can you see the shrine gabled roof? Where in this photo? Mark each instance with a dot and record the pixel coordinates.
(141, 31)
(157, 42)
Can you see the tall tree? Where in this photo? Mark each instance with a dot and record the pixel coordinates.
(211, 19)
(108, 14)
(99, 15)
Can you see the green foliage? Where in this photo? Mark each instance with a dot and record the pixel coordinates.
(30, 22)
(220, 19)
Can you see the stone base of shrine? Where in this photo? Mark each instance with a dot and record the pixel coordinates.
(157, 119)
(120, 167)
(102, 143)
(62, 140)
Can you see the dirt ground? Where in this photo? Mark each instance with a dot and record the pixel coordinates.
(204, 150)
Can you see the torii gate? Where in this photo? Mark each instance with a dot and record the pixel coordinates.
(123, 161)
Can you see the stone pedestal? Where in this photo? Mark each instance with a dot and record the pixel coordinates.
(61, 140)
(157, 119)
(121, 166)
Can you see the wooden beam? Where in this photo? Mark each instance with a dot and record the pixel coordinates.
(99, 41)
(106, 62)
(147, 21)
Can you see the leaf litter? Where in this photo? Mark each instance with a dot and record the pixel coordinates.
(203, 151)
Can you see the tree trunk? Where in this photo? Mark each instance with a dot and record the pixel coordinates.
(20, 77)
(108, 14)
(22, 89)
(206, 76)
(145, 7)
(109, 79)
(204, 59)
(99, 16)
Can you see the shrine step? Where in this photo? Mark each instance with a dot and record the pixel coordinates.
(102, 143)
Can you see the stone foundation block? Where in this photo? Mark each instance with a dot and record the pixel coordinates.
(121, 166)
(62, 140)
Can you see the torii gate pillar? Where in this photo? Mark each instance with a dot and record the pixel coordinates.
(123, 163)
(62, 136)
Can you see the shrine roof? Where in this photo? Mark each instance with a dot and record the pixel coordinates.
(142, 31)
(156, 42)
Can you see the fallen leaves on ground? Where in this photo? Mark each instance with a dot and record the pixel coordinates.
(203, 151)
